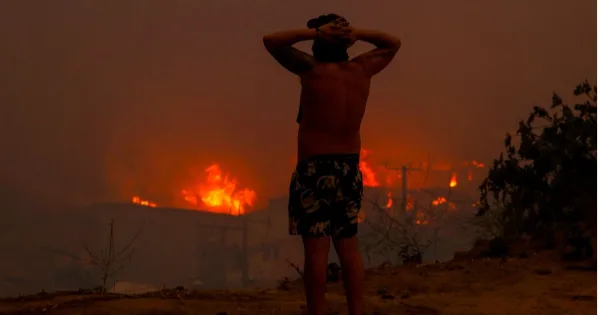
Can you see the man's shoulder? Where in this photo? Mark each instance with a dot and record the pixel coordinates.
(332, 68)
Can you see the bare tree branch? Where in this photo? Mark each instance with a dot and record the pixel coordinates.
(296, 267)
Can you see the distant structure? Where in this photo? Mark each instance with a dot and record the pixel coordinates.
(202, 244)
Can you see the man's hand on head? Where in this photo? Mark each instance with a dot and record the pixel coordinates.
(337, 32)
(349, 37)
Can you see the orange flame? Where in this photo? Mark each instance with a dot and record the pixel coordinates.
(368, 174)
(453, 182)
(138, 201)
(219, 193)
(389, 200)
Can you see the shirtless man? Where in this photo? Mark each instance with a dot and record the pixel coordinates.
(326, 187)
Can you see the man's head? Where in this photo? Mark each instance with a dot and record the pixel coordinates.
(323, 50)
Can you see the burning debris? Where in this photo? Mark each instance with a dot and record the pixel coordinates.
(477, 164)
(368, 174)
(390, 202)
(139, 201)
(442, 200)
(453, 182)
(374, 176)
(439, 201)
(219, 193)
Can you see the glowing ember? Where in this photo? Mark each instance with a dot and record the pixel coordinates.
(410, 204)
(361, 216)
(389, 201)
(368, 174)
(421, 218)
(139, 201)
(438, 201)
(469, 175)
(442, 200)
(218, 193)
(453, 182)
(477, 164)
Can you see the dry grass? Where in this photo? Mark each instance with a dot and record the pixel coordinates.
(535, 285)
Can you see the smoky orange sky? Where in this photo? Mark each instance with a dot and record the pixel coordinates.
(102, 99)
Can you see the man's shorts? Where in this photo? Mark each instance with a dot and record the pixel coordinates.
(325, 196)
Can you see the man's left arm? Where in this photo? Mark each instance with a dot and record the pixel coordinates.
(386, 47)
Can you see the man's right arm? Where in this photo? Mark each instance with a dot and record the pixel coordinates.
(377, 59)
(279, 45)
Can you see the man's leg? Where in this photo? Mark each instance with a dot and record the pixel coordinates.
(316, 254)
(345, 240)
(353, 272)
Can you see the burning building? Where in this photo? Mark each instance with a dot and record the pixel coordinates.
(218, 242)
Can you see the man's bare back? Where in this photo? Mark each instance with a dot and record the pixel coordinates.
(332, 104)
(326, 187)
(334, 89)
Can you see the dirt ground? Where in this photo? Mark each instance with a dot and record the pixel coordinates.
(519, 286)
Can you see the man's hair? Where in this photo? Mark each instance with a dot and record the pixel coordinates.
(324, 51)
(322, 20)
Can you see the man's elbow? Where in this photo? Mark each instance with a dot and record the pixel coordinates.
(269, 41)
(396, 43)
(390, 44)
(266, 39)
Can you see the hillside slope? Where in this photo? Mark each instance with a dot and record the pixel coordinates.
(535, 285)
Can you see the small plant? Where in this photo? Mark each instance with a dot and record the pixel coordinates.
(487, 225)
(110, 261)
(405, 231)
(399, 234)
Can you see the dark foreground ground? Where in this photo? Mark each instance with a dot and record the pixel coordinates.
(538, 284)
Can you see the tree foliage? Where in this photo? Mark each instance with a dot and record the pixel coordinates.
(547, 181)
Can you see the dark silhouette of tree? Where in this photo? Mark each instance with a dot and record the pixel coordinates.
(546, 183)
(109, 260)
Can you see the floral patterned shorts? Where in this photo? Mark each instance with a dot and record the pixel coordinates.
(325, 196)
